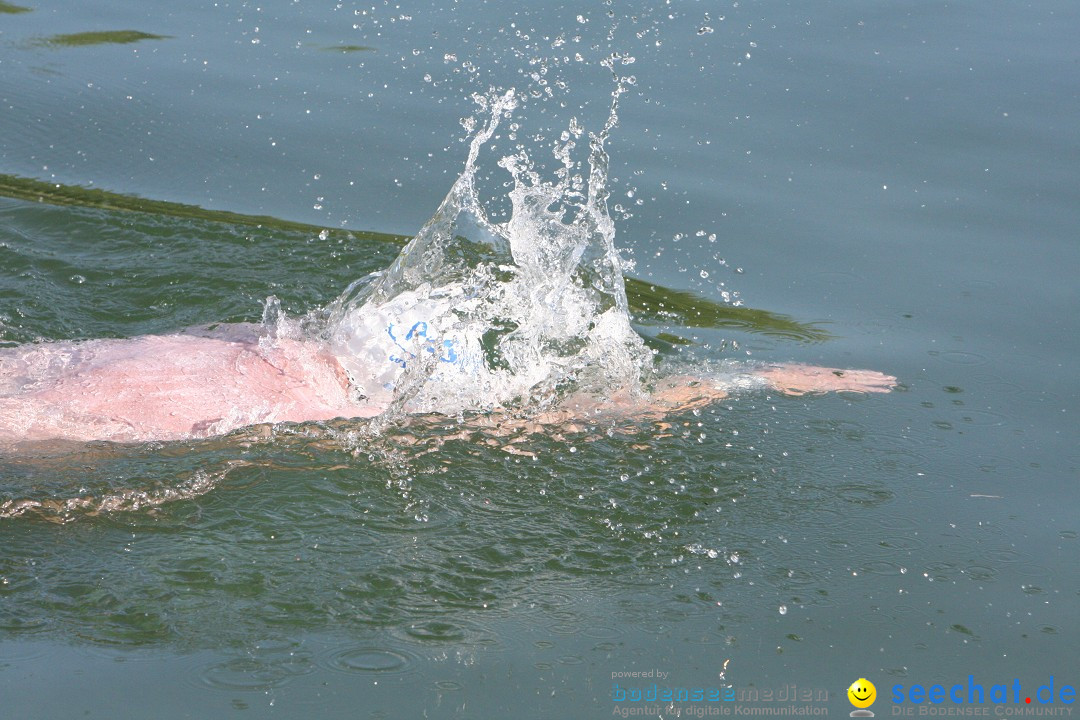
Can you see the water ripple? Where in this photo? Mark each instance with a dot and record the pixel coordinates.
(365, 659)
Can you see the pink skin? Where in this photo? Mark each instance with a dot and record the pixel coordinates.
(803, 379)
(172, 387)
(683, 392)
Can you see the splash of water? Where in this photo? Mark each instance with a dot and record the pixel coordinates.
(477, 315)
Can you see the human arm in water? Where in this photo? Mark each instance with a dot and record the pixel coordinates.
(786, 378)
(679, 393)
(172, 387)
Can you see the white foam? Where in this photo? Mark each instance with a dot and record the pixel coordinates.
(474, 315)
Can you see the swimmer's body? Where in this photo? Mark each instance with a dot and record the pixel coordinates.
(204, 383)
(168, 387)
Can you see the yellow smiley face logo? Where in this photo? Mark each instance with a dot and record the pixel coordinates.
(862, 693)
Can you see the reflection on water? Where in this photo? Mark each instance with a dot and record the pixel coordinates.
(348, 48)
(97, 37)
(651, 305)
(32, 190)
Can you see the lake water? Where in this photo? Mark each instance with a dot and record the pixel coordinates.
(893, 186)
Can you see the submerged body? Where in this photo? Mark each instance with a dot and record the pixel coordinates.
(200, 384)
